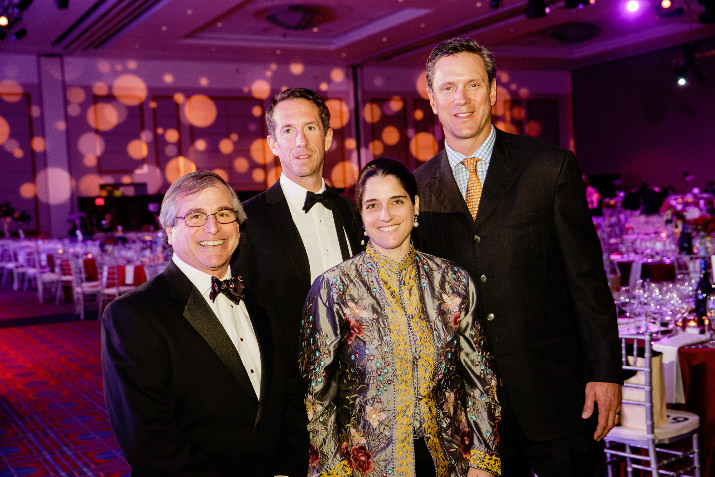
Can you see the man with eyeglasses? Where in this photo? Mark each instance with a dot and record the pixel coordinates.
(299, 227)
(194, 379)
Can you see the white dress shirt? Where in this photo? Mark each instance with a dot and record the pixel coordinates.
(234, 319)
(316, 228)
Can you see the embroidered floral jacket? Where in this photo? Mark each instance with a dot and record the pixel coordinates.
(392, 351)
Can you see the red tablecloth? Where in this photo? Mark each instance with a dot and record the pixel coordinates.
(697, 365)
(139, 275)
(90, 268)
(653, 271)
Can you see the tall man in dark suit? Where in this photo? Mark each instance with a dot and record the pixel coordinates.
(194, 378)
(512, 211)
(298, 228)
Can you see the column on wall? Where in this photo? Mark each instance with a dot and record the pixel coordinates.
(55, 185)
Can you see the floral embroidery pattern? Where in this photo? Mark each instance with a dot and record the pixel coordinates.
(361, 459)
(355, 329)
(374, 415)
(465, 440)
(313, 456)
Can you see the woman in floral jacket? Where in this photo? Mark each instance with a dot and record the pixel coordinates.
(399, 376)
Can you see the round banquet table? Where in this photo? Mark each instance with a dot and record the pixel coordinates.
(697, 366)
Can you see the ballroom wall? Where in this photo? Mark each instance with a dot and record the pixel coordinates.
(631, 118)
(82, 127)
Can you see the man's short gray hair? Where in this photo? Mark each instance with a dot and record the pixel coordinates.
(190, 184)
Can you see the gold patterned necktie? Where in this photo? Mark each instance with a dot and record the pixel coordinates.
(474, 186)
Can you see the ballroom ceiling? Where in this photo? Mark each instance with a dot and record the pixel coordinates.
(354, 32)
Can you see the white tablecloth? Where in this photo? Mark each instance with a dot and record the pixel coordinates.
(671, 365)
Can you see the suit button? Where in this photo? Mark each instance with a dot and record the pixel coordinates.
(483, 278)
(477, 239)
(490, 317)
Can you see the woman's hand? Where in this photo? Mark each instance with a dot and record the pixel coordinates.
(478, 473)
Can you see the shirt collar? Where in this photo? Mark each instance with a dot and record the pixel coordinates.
(201, 280)
(295, 194)
(483, 152)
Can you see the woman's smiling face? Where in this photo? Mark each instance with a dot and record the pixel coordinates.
(388, 215)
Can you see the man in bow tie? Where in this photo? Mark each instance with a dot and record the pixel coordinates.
(194, 378)
(299, 227)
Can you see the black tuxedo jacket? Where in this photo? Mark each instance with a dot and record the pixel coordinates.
(178, 396)
(272, 257)
(542, 294)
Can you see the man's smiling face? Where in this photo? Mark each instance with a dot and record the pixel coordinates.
(207, 248)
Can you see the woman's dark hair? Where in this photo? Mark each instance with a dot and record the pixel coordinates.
(385, 166)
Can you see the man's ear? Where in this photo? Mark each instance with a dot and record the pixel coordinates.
(431, 100)
(272, 145)
(328, 139)
(169, 234)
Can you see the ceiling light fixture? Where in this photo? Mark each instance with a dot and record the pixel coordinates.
(297, 17)
(11, 26)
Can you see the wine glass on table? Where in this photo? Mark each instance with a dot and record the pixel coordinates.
(627, 301)
(658, 306)
(679, 309)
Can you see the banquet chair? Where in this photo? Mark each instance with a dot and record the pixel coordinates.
(82, 289)
(111, 287)
(43, 276)
(8, 262)
(613, 272)
(25, 265)
(670, 449)
(63, 267)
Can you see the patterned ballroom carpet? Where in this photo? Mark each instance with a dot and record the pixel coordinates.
(52, 416)
(21, 307)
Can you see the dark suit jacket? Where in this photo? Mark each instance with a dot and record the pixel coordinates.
(272, 258)
(178, 397)
(542, 294)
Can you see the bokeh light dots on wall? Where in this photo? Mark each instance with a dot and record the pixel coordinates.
(105, 104)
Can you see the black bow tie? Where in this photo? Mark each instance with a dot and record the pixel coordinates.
(326, 198)
(232, 288)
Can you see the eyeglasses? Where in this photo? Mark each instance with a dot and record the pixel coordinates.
(199, 219)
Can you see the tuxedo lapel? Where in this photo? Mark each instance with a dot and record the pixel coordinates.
(199, 315)
(282, 221)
